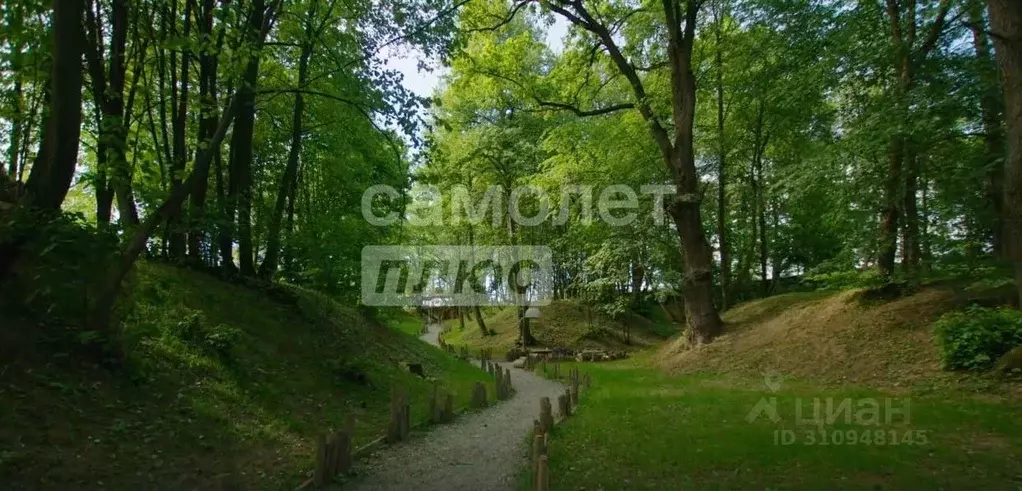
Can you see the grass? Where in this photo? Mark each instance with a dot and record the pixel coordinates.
(401, 320)
(833, 338)
(216, 379)
(639, 428)
(564, 323)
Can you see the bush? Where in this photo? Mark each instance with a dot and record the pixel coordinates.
(975, 338)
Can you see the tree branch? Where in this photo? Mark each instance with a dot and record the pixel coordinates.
(365, 113)
(935, 29)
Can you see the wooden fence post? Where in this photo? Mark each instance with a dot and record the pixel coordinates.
(574, 391)
(542, 479)
(586, 381)
(479, 395)
(448, 408)
(333, 454)
(499, 385)
(507, 383)
(546, 417)
(320, 478)
(567, 402)
(394, 427)
(537, 448)
(434, 403)
(406, 416)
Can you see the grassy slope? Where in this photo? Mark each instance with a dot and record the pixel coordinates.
(562, 323)
(677, 419)
(644, 429)
(178, 416)
(401, 320)
(831, 337)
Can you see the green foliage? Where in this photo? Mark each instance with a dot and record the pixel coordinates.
(975, 338)
(61, 259)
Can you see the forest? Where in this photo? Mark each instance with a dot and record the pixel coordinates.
(821, 141)
(800, 146)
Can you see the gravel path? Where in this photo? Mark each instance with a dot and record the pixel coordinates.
(478, 451)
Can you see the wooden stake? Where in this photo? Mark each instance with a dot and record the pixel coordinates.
(394, 427)
(434, 410)
(546, 417)
(448, 408)
(320, 477)
(542, 478)
(537, 449)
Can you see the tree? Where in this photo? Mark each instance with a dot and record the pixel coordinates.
(1006, 27)
(57, 159)
(680, 18)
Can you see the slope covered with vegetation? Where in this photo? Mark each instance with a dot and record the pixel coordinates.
(566, 324)
(216, 379)
(834, 336)
(811, 390)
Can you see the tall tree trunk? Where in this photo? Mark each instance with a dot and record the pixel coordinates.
(900, 184)
(677, 153)
(224, 242)
(776, 263)
(759, 196)
(179, 120)
(113, 177)
(1006, 26)
(888, 246)
(925, 251)
(991, 105)
(288, 261)
(17, 116)
(638, 274)
(50, 178)
(476, 309)
(697, 286)
(241, 145)
(722, 240)
(207, 125)
(269, 265)
(910, 247)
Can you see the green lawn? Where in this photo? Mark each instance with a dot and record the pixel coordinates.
(401, 320)
(642, 429)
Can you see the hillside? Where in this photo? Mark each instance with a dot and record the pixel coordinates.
(831, 337)
(564, 323)
(217, 379)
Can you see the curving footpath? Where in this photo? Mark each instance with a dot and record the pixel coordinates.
(478, 451)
